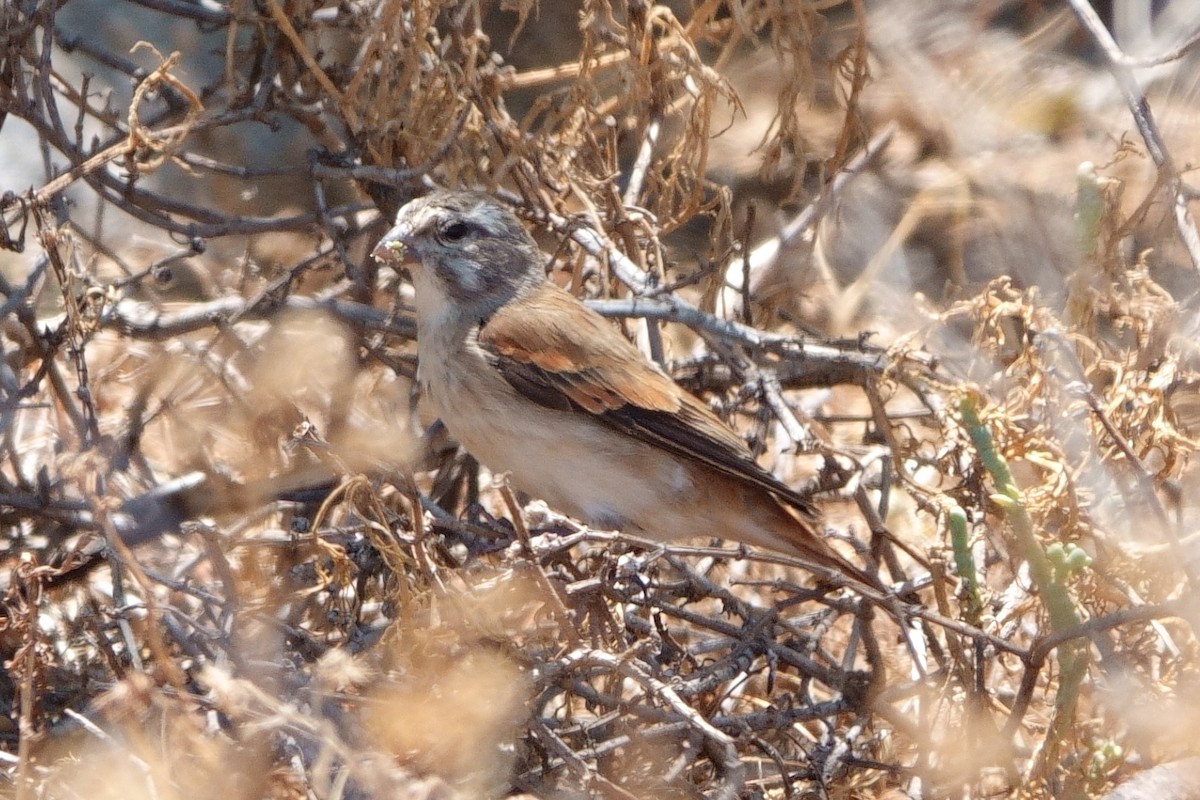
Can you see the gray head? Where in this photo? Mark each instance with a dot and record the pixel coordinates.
(465, 246)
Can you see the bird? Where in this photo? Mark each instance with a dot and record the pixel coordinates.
(535, 384)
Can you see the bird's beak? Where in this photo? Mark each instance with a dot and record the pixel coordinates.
(393, 249)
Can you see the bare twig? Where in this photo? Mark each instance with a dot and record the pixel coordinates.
(733, 770)
(763, 258)
(1146, 124)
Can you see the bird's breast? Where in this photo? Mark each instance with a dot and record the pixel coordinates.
(571, 460)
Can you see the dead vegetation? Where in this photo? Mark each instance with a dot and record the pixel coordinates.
(238, 564)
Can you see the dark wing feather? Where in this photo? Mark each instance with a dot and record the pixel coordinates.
(568, 358)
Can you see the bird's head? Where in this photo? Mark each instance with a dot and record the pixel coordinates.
(464, 247)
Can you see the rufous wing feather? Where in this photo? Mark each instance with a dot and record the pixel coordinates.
(569, 358)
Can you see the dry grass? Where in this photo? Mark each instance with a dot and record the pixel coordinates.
(237, 564)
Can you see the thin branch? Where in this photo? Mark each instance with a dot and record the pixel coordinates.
(1146, 124)
(142, 320)
(729, 762)
(765, 256)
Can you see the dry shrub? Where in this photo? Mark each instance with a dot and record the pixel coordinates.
(239, 564)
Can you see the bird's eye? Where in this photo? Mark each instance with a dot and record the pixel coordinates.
(454, 231)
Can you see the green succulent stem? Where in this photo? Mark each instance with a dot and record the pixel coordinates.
(956, 519)
(1072, 655)
(1089, 208)
(1009, 497)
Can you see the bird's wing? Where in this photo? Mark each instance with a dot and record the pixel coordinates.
(569, 358)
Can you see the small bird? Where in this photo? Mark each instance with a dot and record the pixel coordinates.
(534, 383)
